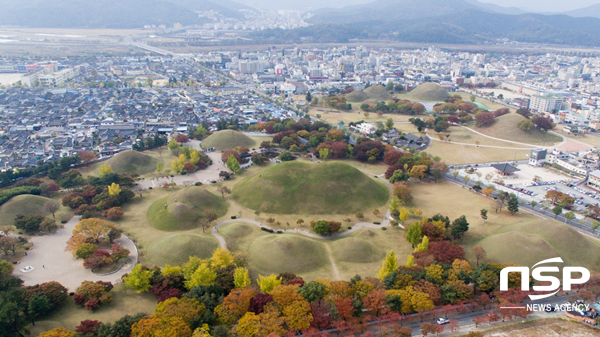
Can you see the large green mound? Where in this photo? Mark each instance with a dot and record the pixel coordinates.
(184, 209)
(301, 188)
(357, 96)
(227, 140)
(527, 243)
(290, 253)
(176, 249)
(356, 250)
(23, 204)
(378, 93)
(506, 127)
(429, 92)
(130, 162)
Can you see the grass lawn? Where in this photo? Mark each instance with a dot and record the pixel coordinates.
(523, 238)
(492, 106)
(227, 140)
(587, 139)
(461, 135)
(335, 116)
(309, 188)
(505, 127)
(467, 154)
(69, 315)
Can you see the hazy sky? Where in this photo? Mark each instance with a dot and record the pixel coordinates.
(544, 5)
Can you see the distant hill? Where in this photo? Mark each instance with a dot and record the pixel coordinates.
(374, 93)
(105, 13)
(439, 21)
(590, 11)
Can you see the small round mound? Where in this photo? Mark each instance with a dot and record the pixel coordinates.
(377, 92)
(130, 162)
(356, 96)
(227, 140)
(429, 92)
(519, 248)
(176, 249)
(286, 253)
(301, 188)
(356, 250)
(184, 209)
(23, 204)
(237, 230)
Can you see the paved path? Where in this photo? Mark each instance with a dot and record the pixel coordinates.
(52, 263)
(210, 173)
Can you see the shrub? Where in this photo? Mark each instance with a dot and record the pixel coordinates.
(113, 213)
(377, 222)
(196, 184)
(383, 228)
(234, 217)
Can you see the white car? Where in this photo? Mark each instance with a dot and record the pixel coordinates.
(27, 269)
(442, 321)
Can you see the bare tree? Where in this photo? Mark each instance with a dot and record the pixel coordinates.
(209, 216)
(141, 192)
(224, 190)
(51, 207)
(480, 253)
(8, 243)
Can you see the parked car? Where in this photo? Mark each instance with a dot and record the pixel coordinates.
(442, 321)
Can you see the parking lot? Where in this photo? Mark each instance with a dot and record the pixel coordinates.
(524, 185)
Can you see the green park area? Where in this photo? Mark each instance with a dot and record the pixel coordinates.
(321, 220)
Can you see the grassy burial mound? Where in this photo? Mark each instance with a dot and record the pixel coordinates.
(357, 96)
(377, 93)
(27, 204)
(184, 209)
(177, 248)
(130, 162)
(292, 253)
(428, 92)
(356, 250)
(302, 188)
(528, 242)
(227, 140)
(507, 127)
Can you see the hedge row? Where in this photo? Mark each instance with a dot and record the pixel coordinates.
(7, 194)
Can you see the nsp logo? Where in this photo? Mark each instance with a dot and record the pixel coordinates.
(567, 279)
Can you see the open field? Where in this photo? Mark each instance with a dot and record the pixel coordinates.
(505, 127)
(228, 140)
(591, 140)
(308, 188)
(468, 154)
(69, 315)
(332, 116)
(523, 238)
(505, 93)
(492, 106)
(461, 135)
(543, 328)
